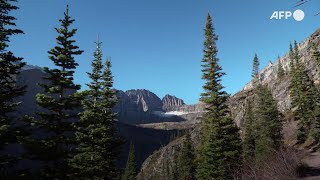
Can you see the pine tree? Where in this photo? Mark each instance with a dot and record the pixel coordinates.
(268, 123)
(316, 129)
(220, 150)
(175, 167)
(60, 106)
(255, 66)
(255, 70)
(303, 96)
(98, 148)
(10, 67)
(281, 72)
(249, 133)
(187, 158)
(130, 173)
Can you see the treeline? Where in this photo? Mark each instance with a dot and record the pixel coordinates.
(59, 142)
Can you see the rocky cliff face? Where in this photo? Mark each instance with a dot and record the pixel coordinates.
(279, 87)
(171, 103)
(145, 99)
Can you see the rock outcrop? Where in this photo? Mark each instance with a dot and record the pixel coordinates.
(279, 87)
(145, 99)
(171, 103)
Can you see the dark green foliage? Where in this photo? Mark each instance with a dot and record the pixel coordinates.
(175, 167)
(316, 129)
(10, 67)
(98, 148)
(268, 123)
(187, 159)
(255, 67)
(303, 96)
(220, 150)
(316, 56)
(249, 133)
(281, 72)
(54, 147)
(130, 173)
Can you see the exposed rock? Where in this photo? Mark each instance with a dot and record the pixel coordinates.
(171, 103)
(279, 87)
(146, 99)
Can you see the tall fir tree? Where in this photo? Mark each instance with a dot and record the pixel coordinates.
(249, 133)
(303, 96)
(316, 129)
(255, 70)
(316, 57)
(268, 124)
(220, 149)
(130, 172)
(187, 168)
(98, 147)
(10, 67)
(60, 104)
(280, 72)
(255, 66)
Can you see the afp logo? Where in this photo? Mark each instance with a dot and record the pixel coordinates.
(298, 15)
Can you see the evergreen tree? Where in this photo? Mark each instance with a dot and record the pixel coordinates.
(98, 148)
(281, 72)
(255, 70)
(220, 150)
(10, 67)
(255, 66)
(249, 133)
(60, 106)
(303, 96)
(268, 123)
(316, 129)
(130, 173)
(186, 160)
(175, 166)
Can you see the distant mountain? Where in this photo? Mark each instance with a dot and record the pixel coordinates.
(145, 99)
(134, 106)
(171, 103)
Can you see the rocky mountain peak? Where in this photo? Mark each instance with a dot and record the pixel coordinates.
(171, 103)
(147, 99)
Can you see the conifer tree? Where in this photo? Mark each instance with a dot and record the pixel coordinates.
(220, 149)
(316, 129)
(187, 158)
(268, 123)
(281, 72)
(249, 133)
(60, 105)
(303, 96)
(175, 167)
(130, 173)
(255, 70)
(255, 66)
(10, 67)
(98, 147)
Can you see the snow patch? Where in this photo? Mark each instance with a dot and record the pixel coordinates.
(169, 114)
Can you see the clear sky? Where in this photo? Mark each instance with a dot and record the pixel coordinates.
(157, 44)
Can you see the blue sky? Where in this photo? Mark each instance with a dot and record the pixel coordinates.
(157, 44)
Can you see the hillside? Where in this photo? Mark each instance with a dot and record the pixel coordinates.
(151, 168)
